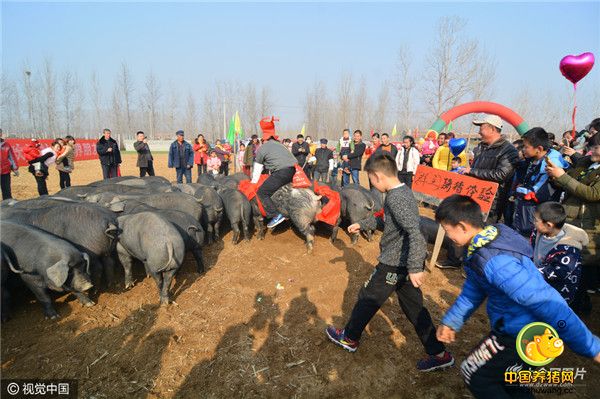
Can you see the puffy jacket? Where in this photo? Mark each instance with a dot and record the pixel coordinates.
(496, 162)
(31, 151)
(222, 153)
(414, 159)
(536, 179)
(443, 158)
(355, 157)
(429, 147)
(188, 155)
(561, 266)
(106, 157)
(200, 153)
(8, 161)
(499, 267)
(582, 203)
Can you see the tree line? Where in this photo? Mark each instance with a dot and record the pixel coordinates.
(46, 102)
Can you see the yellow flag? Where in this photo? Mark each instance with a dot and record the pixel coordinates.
(239, 132)
(303, 129)
(394, 132)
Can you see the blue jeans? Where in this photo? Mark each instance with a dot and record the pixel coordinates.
(184, 171)
(346, 177)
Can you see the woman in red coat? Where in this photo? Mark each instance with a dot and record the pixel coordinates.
(8, 163)
(200, 153)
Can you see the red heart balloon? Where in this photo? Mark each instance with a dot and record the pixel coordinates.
(575, 67)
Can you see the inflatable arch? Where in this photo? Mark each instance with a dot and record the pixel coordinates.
(481, 106)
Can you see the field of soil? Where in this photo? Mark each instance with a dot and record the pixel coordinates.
(251, 326)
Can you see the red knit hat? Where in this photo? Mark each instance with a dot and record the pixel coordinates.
(267, 125)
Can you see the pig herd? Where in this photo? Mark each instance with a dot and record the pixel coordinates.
(71, 241)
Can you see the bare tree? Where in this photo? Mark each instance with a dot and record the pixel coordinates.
(251, 115)
(405, 83)
(361, 106)
(96, 99)
(117, 122)
(266, 101)
(10, 107)
(151, 99)
(191, 115)
(211, 120)
(380, 118)
(49, 89)
(68, 98)
(125, 90)
(171, 112)
(314, 108)
(28, 88)
(452, 70)
(344, 101)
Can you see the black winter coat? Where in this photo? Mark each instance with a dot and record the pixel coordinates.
(108, 158)
(497, 163)
(355, 157)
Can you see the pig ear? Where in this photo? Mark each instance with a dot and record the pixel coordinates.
(117, 207)
(58, 273)
(547, 332)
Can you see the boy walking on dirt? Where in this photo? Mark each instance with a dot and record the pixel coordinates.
(400, 267)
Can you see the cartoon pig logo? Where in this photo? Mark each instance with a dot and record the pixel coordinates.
(544, 347)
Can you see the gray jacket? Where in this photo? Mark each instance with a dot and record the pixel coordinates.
(402, 243)
(144, 154)
(274, 156)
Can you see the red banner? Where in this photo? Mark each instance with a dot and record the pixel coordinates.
(84, 149)
(438, 184)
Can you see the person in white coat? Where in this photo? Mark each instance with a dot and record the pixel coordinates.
(407, 160)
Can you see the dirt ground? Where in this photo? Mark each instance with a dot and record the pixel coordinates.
(251, 326)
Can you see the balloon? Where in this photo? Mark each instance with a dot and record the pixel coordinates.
(457, 146)
(575, 67)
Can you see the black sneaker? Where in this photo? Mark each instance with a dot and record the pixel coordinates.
(446, 264)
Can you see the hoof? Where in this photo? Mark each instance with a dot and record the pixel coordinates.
(89, 303)
(129, 286)
(164, 301)
(52, 317)
(309, 248)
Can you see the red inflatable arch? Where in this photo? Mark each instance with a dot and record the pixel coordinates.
(482, 106)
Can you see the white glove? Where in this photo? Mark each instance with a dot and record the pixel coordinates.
(258, 168)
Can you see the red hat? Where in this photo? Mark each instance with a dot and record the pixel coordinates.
(267, 125)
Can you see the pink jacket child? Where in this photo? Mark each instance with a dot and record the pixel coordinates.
(430, 144)
(213, 163)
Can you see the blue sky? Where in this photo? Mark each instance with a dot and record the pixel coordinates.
(289, 45)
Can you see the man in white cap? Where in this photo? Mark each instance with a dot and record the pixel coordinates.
(495, 160)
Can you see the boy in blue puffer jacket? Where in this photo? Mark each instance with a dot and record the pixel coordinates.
(534, 187)
(499, 267)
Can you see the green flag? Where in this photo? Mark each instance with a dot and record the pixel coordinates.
(450, 126)
(394, 131)
(231, 132)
